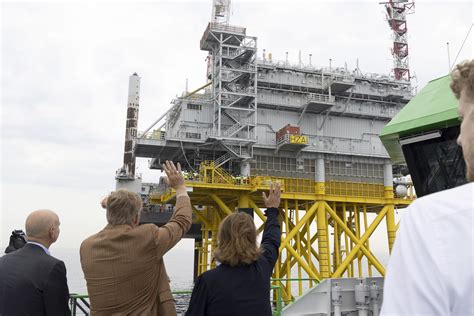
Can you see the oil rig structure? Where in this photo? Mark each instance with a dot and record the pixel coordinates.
(313, 129)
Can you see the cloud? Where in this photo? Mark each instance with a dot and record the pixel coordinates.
(65, 68)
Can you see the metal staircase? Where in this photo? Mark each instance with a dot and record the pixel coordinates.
(210, 172)
(233, 71)
(233, 129)
(239, 151)
(223, 159)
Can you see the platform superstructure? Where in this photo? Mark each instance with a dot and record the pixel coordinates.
(339, 112)
(314, 129)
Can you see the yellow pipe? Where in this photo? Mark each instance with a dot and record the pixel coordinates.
(320, 188)
(359, 244)
(308, 244)
(256, 209)
(357, 227)
(204, 250)
(260, 228)
(201, 252)
(336, 246)
(323, 242)
(291, 261)
(198, 248)
(297, 227)
(288, 267)
(305, 241)
(298, 248)
(244, 201)
(346, 237)
(339, 236)
(368, 244)
(221, 204)
(215, 228)
(200, 217)
(391, 228)
(311, 273)
(351, 242)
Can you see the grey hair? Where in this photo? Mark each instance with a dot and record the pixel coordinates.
(122, 206)
(39, 222)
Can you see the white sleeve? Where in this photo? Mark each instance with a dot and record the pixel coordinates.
(413, 283)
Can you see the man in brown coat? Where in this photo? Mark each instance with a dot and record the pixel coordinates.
(123, 263)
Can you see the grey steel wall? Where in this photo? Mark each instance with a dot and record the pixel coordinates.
(346, 135)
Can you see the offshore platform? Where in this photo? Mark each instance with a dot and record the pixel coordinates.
(258, 120)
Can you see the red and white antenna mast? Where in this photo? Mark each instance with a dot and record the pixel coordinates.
(397, 10)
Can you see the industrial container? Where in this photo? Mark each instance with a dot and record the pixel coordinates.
(288, 129)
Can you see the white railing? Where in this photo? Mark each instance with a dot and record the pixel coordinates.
(222, 159)
(231, 130)
(226, 28)
(316, 97)
(155, 134)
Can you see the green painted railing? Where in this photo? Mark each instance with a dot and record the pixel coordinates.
(278, 300)
(279, 294)
(80, 303)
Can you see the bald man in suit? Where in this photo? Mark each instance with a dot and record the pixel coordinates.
(123, 263)
(32, 282)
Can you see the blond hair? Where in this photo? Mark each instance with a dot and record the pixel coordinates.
(122, 206)
(237, 240)
(463, 78)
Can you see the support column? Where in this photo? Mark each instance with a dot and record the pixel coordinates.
(244, 205)
(320, 176)
(323, 242)
(388, 180)
(215, 228)
(245, 169)
(244, 201)
(197, 246)
(391, 229)
(390, 217)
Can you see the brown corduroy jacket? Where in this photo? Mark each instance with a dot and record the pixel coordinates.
(124, 267)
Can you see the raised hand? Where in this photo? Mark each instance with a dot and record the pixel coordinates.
(273, 199)
(103, 203)
(174, 177)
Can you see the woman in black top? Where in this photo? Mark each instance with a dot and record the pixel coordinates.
(240, 285)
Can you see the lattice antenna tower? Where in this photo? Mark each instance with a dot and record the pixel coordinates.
(396, 12)
(220, 11)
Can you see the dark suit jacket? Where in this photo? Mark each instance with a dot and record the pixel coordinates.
(33, 283)
(241, 290)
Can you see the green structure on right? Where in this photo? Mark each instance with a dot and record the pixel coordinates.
(423, 136)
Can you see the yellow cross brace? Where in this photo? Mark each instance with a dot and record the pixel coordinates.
(298, 226)
(359, 242)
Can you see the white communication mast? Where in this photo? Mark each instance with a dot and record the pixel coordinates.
(220, 11)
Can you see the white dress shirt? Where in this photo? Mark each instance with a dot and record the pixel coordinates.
(431, 270)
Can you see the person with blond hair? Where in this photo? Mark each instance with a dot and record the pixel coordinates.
(431, 269)
(240, 284)
(123, 263)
